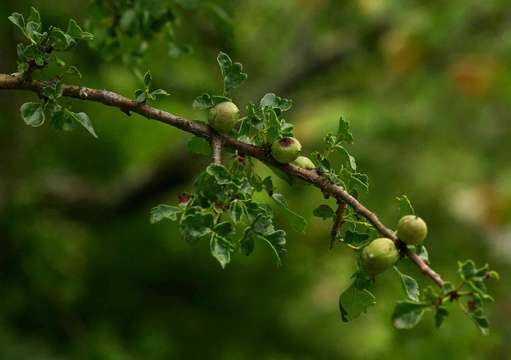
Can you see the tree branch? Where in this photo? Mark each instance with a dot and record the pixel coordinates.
(16, 81)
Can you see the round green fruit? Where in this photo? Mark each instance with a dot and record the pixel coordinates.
(286, 149)
(412, 230)
(378, 256)
(223, 116)
(304, 162)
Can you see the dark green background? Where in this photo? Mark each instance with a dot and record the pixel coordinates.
(427, 89)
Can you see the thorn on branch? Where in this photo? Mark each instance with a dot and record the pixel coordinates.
(339, 221)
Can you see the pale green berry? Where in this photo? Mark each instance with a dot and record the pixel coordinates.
(286, 149)
(223, 116)
(378, 256)
(411, 230)
(304, 162)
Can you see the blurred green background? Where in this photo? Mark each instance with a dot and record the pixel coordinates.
(427, 89)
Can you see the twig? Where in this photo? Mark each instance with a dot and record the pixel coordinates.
(110, 98)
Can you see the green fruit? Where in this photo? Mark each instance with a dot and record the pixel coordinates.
(378, 256)
(411, 229)
(286, 149)
(304, 162)
(223, 116)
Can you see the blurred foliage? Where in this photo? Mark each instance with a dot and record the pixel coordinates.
(426, 87)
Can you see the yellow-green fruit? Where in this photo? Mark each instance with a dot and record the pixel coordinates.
(304, 162)
(412, 229)
(286, 149)
(223, 116)
(378, 256)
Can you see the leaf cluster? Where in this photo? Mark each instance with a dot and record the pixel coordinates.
(43, 44)
(144, 94)
(132, 25)
(37, 54)
(222, 210)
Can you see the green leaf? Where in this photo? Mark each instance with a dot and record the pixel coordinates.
(267, 185)
(297, 222)
(236, 210)
(61, 40)
(276, 102)
(272, 124)
(224, 229)
(480, 320)
(447, 287)
(18, 20)
(430, 294)
(232, 72)
(32, 113)
(203, 102)
(347, 158)
(248, 241)
(32, 31)
(220, 173)
(356, 240)
(344, 132)
(493, 275)
(277, 241)
(32, 52)
(161, 212)
(440, 315)
(324, 211)
(73, 70)
(76, 31)
(220, 249)
(354, 301)
(34, 16)
(467, 269)
(194, 227)
(358, 181)
(140, 96)
(53, 91)
(148, 78)
(263, 225)
(158, 92)
(200, 146)
(410, 285)
(207, 101)
(83, 119)
(405, 206)
(58, 117)
(423, 253)
(408, 314)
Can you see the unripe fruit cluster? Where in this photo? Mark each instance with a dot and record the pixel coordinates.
(378, 256)
(223, 116)
(286, 149)
(411, 230)
(382, 253)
